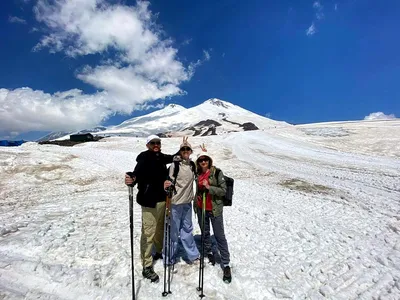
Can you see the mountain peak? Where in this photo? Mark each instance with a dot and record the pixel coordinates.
(212, 117)
(174, 106)
(218, 102)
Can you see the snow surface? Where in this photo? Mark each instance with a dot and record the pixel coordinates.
(316, 215)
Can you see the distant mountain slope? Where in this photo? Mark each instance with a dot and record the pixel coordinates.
(212, 117)
(168, 111)
(53, 136)
(61, 135)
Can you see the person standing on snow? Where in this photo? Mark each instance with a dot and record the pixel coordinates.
(149, 174)
(181, 177)
(211, 183)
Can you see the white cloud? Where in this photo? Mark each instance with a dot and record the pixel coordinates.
(192, 67)
(138, 65)
(207, 55)
(317, 5)
(187, 42)
(379, 116)
(150, 106)
(311, 30)
(13, 19)
(223, 54)
(336, 6)
(127, 87)
(319, 15)
(24, 109)
(319, 10)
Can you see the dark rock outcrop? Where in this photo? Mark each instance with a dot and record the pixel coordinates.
(207, 122)
(69, 143)
(210, 131)
(249, 126)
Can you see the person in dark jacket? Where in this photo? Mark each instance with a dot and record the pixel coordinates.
(149, 175)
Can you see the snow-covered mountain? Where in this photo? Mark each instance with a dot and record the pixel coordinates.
(57, 135)
(212, 117)
(53, 136)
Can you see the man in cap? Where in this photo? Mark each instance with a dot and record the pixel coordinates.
(149, 174)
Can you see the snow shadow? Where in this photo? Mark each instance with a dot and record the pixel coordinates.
(182, 256)
(197, 239)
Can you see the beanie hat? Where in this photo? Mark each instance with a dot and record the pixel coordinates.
(152, 138)
(205, 153)
(185, 143)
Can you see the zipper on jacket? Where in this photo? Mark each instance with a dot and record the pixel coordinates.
(147, 188)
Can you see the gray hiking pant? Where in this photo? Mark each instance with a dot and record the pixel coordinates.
(219, 234)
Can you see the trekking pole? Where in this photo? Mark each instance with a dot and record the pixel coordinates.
(201, 268)
(130, 188)
(167, 245)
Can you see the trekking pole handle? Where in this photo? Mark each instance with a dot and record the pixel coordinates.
(133, 177)
(170, 190)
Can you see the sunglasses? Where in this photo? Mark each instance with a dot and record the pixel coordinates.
(155, 143)
(186, 149)
(200, 160)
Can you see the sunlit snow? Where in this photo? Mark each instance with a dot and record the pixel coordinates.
(316, 215)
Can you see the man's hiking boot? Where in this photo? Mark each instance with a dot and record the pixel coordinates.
(149, 273)
(157, 256)
(227, 275)
(211, 258)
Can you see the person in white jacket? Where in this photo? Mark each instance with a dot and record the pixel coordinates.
(181, 204)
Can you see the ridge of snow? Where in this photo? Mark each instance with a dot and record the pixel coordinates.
(168, 110)
(218, 102)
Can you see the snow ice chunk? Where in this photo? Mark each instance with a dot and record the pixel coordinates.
(382, 260)
(288, 275)
(282, 292)
(326, 290)
(397, 246)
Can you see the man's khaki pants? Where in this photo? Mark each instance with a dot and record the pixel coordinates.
(152, 232)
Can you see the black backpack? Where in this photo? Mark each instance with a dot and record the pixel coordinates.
(229, 188)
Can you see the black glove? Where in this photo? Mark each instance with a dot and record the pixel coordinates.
(131, 175)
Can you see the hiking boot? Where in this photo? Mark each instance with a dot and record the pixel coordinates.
(211, 258)
(149, 273)
(157, 256)
(227, 275)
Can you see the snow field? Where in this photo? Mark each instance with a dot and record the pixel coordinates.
(308, 221)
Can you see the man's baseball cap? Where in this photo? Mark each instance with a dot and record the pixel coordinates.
(152, 137)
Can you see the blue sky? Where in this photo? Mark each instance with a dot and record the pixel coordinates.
(66, 67)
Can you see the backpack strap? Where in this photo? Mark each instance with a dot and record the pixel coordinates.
(216, 173)
(193, 166)
(176, 171)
